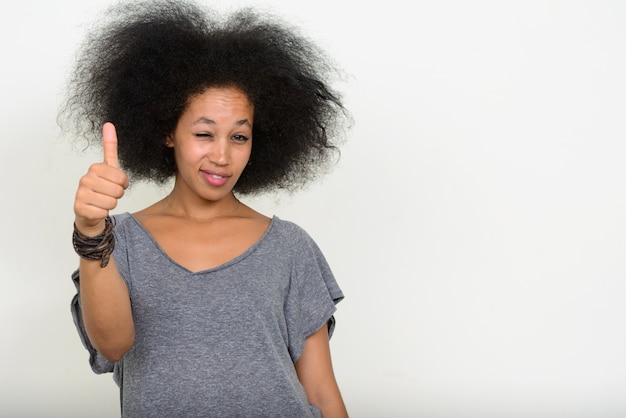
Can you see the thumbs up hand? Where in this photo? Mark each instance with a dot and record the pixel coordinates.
(101, 188)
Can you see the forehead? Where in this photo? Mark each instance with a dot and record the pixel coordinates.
(221, 99)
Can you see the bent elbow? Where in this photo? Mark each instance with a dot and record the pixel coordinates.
(113, 355)
(114, 351)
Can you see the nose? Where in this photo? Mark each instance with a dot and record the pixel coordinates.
(219, 153)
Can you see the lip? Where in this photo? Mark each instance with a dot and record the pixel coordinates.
(215, 178)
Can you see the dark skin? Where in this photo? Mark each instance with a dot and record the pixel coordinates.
(212, 145)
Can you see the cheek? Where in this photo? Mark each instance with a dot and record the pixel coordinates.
(246, 156)
(188, 155)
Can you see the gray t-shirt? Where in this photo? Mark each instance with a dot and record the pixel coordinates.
(220, 342)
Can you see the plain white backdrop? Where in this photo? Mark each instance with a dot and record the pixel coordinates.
(475, 221)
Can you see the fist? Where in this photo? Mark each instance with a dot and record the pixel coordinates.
(101, 188)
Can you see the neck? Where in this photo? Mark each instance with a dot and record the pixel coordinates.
(204, 210)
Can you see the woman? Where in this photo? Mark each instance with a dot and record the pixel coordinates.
(200, 305)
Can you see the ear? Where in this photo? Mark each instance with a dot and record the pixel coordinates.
(169, 142)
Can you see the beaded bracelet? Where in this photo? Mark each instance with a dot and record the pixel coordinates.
(99, 247)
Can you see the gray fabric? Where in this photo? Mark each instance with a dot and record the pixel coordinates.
(221, 342)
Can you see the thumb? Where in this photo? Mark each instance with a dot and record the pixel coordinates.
(109, 145)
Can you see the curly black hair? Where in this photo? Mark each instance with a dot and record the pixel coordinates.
(142, 63)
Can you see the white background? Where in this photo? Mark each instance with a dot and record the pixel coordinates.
(475, 221)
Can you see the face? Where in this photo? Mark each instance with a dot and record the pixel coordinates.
(212, 142)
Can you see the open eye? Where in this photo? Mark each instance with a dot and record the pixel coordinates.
(240, 138)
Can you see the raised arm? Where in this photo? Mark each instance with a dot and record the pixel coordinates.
(104, 298)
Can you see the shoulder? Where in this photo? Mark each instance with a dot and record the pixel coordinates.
(291, 233)
(125, 226)
(122, 220)
(288, 228)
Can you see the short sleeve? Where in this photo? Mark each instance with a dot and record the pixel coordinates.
(313, 293)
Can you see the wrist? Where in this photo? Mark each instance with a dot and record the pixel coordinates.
(95, 247)
(89, 229)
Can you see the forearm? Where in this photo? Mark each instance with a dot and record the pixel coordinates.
(315, 371)
(106, 309)
(331, 404)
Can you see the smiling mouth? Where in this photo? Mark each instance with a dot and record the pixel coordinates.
(215, 179)
(214, 173)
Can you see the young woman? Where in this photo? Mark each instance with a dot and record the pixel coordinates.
(198, 304)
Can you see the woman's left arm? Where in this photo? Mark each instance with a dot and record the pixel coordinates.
(315, 371)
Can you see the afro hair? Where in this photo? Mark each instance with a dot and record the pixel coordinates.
(140, 65)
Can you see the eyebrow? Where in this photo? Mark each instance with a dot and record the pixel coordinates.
(212, 122)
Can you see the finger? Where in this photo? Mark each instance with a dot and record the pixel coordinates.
(105, 179)
(109, 145)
